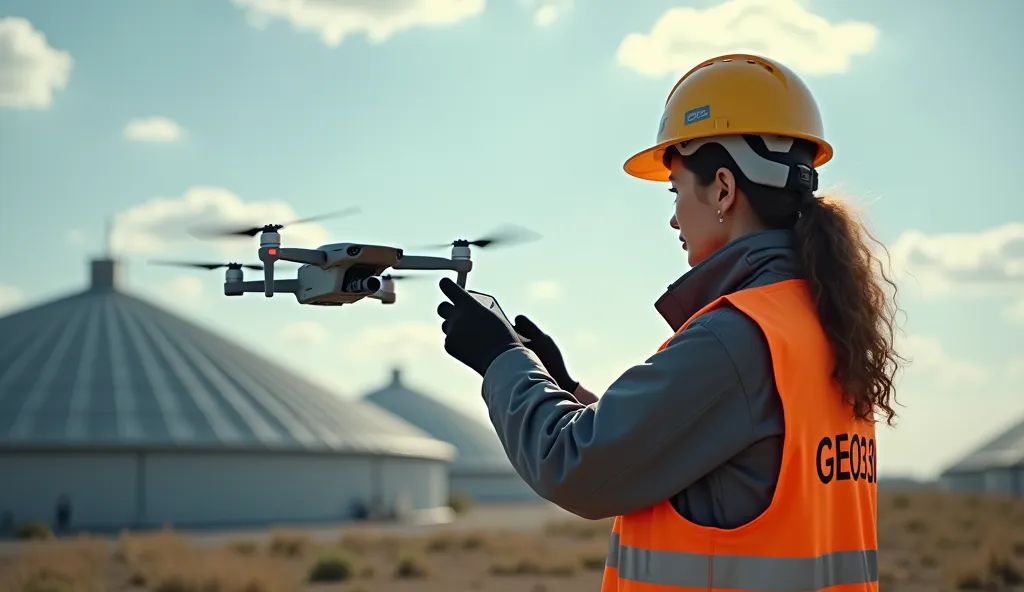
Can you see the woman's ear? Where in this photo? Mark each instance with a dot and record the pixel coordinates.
(725, 187)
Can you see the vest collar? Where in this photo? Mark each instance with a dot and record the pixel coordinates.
(743, 263)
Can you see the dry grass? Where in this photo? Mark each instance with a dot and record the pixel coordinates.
(58, 566)
(934, 541)
(929, 541)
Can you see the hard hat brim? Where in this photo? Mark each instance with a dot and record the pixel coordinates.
(649, 164)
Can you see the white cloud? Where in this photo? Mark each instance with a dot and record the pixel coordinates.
(152, 129)
(183, 293)
(30, 70)
(334, 20)
(990, 261)
(164, 222)
(183, 289)
(545, 290)
(10, 298)
(546, 12)
(928, 358)
(304, 334)
(546, 15)
(778, 29)
(398, 343)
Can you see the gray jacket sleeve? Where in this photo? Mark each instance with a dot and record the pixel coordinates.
(658, 428)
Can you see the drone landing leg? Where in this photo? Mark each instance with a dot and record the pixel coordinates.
(460, 279)
(268, 274)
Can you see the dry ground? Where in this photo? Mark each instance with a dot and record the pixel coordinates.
(930, 541)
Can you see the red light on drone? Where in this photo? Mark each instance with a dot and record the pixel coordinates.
(272, 252)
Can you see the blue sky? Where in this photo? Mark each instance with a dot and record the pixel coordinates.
(510, 111)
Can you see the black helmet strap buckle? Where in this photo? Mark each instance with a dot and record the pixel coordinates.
(802, 179)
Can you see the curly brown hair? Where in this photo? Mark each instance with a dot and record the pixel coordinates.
(854, 296)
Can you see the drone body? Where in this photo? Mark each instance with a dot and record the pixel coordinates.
(338, 273)
(331, 275)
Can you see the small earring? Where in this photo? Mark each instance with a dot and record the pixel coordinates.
(721, 218)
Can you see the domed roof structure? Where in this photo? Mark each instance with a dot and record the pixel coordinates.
(479, 448)
(1004, 451)
(997, 466)
(105, 369)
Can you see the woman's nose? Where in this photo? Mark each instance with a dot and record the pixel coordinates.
(673, 222)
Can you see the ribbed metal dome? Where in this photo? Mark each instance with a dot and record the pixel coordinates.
(105, 369)
(479, 448)
(1004, 451)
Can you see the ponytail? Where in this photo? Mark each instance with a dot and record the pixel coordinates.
(848, 283)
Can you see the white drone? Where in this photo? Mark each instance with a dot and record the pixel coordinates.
(342, 273)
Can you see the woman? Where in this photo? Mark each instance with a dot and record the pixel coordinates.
(742, 454)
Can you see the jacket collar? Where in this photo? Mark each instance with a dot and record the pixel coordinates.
(755, 259)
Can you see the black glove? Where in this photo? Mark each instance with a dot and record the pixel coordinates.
(474, 335)
(549, 354)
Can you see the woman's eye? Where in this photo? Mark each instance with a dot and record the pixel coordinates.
(672, 190)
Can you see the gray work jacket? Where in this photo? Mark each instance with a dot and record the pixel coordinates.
(699, 423)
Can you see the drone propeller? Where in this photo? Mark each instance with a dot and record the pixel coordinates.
(201, 265)
(254, 230)
(504, 236)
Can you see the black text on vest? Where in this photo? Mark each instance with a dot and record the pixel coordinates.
(846, 457)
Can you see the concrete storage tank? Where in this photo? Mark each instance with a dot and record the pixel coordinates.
(481, 469)
(995, 467)
(140, 418)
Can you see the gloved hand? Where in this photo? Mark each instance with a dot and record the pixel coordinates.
(542, 345)
(474, 335)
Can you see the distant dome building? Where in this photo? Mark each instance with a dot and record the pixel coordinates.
(481, 469)
(139, 418)
(995, 467)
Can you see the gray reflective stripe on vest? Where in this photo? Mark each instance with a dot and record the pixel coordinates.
(760, 574)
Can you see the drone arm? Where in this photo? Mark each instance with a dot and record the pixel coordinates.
(307, 256)
(285, 286)
(428, 263)
(425, 262)
(280, 287)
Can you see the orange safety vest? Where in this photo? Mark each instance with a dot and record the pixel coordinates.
(819, 533)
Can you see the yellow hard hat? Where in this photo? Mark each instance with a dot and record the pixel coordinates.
(731, 95)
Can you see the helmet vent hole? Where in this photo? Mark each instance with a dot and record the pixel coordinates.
(727, 60)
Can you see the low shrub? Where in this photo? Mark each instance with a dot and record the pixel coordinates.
(460, 502)
(332, 567)
(411, 567)
(33, 530)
